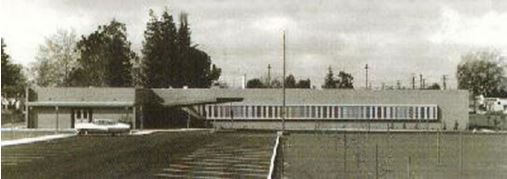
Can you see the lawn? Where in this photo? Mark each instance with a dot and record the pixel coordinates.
(318, 155)
(175, 154)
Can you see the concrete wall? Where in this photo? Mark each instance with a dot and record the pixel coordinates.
(46, 118)
(452, 104)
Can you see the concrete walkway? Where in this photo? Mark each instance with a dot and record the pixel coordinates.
(35, 139)
(151, 131)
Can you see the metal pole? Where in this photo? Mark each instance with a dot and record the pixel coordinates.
(134, 125)
(438, 146)
(142, 117)
(232, 115)
(376, 161)
(56, 129)
(461, 154)
(283, 86)
(345, 153)
(366, 68)
(27, 91)
(188, 120)
(408, 166)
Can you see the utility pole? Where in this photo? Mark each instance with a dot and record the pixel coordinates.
(366, 69)
(444, 84)
(424, 83)
(283, 85)
(420, 81)
(413, 82)
(269, 76)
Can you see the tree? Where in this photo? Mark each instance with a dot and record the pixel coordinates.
(434, 86)
(255, 83)
(160, 51)
(13, 79)
(275, 83)
(55, 59)
(329, 81)
(106, 58)
(184, 61)
(304, 84)
(345, 80)
(290, 81)
(481, 73)
(170, 60)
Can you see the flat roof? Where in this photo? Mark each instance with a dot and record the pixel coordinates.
(82, 103)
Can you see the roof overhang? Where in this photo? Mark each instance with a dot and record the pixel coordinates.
(81, 103)
(203, 102)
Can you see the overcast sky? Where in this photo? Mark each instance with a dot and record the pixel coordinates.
(397, 38)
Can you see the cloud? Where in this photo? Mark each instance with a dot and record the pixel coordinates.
(274, 24)
(487, 30)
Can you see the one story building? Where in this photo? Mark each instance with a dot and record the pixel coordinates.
(306, 109)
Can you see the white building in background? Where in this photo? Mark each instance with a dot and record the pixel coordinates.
(496, 104)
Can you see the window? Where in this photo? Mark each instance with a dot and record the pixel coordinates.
(385, 113)
(270, 111)
(336, 111)
(379, 112)
(276, 108)
(368, 112)
(324, 112)
(422, 109)
(373, 112)
(258, 112)
(247, 108)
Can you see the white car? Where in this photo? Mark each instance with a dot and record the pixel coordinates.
(102, 126)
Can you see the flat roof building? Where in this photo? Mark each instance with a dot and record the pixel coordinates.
(306, 109)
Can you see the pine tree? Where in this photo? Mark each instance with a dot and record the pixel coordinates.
(329, 81)
(13, 80)
(160, 51)
(184, 61)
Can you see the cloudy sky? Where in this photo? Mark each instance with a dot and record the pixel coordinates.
(397, 38)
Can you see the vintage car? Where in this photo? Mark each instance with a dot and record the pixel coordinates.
(103, 126)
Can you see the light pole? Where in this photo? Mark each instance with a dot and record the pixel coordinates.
(283, 85)
(366, 69)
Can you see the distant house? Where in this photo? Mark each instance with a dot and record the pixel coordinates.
(492, 104)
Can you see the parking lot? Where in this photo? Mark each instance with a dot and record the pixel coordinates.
(197, 154)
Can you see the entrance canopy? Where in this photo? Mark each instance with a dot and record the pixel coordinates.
(182, 103)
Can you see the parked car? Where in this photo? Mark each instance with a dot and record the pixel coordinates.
(102, 126)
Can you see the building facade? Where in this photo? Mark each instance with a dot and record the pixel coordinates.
(306, 109)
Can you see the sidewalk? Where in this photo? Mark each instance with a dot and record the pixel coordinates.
(35, 139)
(151, 131)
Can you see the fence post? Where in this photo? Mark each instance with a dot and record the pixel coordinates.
(376, 161)
(461, 154)
(408, 167)
(345, 153)
(438, 147)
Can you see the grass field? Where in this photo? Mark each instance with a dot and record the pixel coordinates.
(317, 155)
(178, 154)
